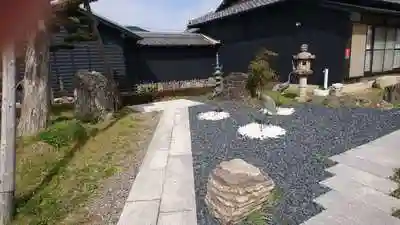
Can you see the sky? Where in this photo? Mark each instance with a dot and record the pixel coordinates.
(154, 15)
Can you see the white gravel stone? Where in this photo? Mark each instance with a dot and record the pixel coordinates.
(261, 131)
(281, 111)
(213, 115)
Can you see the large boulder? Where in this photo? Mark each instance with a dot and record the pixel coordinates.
(386, 81)
(391, 94)
(236, 189)
(235, 87)
(93, 98)
(64, 100)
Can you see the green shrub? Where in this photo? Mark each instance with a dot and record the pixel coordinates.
(260, 72)
(147, 89)
(264, 215)
(63, 133)
(57, 109)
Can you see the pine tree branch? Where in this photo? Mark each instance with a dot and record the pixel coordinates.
(62, 5)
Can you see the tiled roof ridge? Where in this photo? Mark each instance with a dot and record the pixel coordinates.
(243, 6)
(174, 38)
(231, 10)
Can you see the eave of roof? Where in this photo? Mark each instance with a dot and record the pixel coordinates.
(113, 24)
(136, 28)
(174, 39)
(247, 6)
(391, 1)
(148, 38)
(232, 10)
(354, 7)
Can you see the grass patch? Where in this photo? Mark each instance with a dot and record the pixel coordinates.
(323, 158)
(61, 168)
(264, 216)
(63, 134)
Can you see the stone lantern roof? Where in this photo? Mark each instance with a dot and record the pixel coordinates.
(304, 54)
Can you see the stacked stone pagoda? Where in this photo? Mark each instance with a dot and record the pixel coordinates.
(235, 190)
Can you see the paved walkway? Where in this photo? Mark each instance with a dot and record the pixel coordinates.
(163, 191)
(360, 186)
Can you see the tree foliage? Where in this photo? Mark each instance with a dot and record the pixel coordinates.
(75, 23)
(260, 72)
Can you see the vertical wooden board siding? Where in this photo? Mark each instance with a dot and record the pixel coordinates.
(357, 58)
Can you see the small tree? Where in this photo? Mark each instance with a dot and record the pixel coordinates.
(260, 72)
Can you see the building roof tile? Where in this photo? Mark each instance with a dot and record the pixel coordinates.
(232, 10)
(243, 7)
(174, 39)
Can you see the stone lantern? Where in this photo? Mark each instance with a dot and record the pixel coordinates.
(303, 70)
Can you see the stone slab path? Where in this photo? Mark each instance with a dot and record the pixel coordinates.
(360, 187)
(163, 191)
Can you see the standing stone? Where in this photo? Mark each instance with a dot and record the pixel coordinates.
(92, 97)
(236, 189)
(235, 87)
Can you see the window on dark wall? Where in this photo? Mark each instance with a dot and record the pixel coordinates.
(382, 52)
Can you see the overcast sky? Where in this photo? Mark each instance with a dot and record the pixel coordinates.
(154, 15)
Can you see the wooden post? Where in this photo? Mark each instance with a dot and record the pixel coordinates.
(8, 135)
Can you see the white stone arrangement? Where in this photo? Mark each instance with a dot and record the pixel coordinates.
(213, 115)
(252, 130)
(280, 111)
(261, 131)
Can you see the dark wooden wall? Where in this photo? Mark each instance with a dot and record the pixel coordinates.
(85, 55)
(132, 64)
(162, 64)
(327, 33)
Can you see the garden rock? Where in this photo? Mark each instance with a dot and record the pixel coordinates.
(235, 87)
(386, 81)
(64, 100)
(384, 105)
(339, 101)
(93, 101)
(236, 189)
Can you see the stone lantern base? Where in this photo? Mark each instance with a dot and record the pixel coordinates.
(303, 88)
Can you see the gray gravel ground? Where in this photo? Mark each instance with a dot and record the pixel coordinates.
(296, 162)
(105, 208)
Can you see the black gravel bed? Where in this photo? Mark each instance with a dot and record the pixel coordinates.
(296, 161)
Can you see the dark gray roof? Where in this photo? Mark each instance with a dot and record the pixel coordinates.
(192, 30)
(110, 23)
(148, 38)
(392, 1)
(232, 10)
(135, 28)
(174, 39)
(243, 7)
